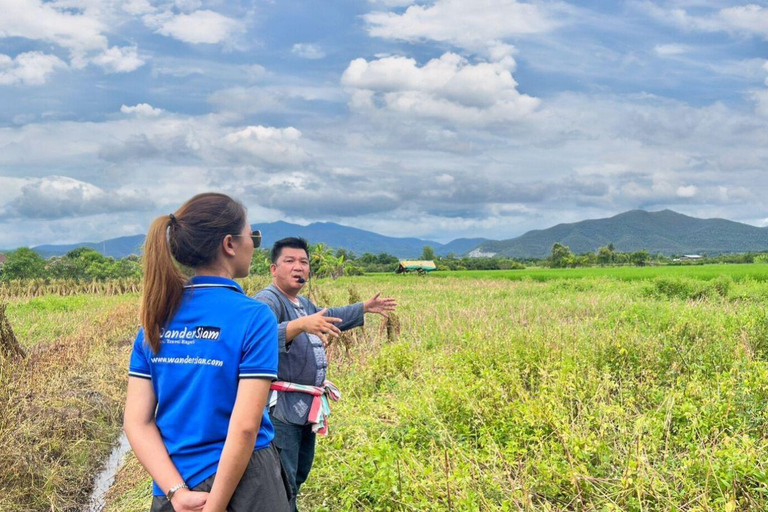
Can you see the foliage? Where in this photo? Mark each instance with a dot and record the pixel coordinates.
(639, 258)
(260, 262)
(81, 264)
(428, 253)
(23, 263)
(324, 263)
(561, 256)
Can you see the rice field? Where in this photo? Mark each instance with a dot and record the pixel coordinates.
(627, 389)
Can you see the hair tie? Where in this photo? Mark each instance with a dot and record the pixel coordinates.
(173, 218)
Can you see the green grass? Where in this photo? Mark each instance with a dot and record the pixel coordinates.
(49, 318)
(630, 389)
(596, 394)
(755, 272)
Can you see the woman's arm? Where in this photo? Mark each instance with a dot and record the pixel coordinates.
(241, 438)
(148, 446)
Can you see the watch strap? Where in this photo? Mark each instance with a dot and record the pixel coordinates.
(175, 488)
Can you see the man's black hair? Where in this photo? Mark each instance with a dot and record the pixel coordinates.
(291, 242)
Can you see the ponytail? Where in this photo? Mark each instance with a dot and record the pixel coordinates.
(163, 282)
(191, 236)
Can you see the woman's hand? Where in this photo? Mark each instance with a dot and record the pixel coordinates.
(185, 500)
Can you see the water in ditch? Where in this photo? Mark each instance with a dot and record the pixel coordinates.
(106, 477)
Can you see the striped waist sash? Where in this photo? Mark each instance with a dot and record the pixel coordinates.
(320, 409)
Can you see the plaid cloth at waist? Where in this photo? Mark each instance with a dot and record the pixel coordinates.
(320, 409)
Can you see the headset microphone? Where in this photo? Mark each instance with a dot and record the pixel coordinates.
(302, 280)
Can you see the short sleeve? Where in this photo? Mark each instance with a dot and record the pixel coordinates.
(259, 357)
(139, 366)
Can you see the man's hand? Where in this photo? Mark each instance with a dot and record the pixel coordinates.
(189, 501)
(380, 305)
(320, 325)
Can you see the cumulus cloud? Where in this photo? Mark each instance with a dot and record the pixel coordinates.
(119, 60)
(78, 28)
(449, 88)
(198, 27)
(272, 145)
(308, 51)
(464, 23)
(30, 68)
(141, 110)
(49, 22)
(687, 191)
(55, 197)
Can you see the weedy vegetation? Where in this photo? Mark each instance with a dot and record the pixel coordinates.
(627, 390)
(61, 399)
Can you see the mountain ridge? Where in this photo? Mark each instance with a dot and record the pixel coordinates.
(664, 231)
(331, 234)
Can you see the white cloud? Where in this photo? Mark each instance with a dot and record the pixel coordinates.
(250, 100)
(142, 110)
(33, 19)
(271, 145)
(392, 3)
(449, 88)
(119, 60)
(464, 23)
(198, 27)
(54, 197)
(308, 51)
(138, 7)
(666, 50)
(79, 27)
(761, 97)
(30, 68)
(688, 191)
(744, 19)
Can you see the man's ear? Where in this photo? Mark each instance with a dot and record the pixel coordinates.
(273, 269)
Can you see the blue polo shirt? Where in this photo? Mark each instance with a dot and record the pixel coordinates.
(218, 336)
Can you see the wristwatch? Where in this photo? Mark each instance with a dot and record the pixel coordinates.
(175, 488)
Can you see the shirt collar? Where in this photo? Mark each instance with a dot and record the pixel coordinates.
(213, 281)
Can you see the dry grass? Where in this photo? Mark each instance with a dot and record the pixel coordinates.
(61, 406)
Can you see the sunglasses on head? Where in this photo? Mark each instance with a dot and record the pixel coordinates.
(256, 237)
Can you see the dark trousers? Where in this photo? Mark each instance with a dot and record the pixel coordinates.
(297, 451)
(261, 489)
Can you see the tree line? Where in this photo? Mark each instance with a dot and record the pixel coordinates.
(86, 264)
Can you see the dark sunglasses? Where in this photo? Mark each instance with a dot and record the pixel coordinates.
(256, 237)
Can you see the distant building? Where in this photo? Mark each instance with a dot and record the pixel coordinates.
(3, 257)
(689, 257)
(420, 266)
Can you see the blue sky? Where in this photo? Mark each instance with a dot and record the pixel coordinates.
(439, 119)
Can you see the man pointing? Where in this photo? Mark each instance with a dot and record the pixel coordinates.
(299, 398)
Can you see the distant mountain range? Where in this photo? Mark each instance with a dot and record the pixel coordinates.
(333, 235)
(665, 232)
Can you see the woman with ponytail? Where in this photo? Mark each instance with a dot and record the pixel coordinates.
(201, 367)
